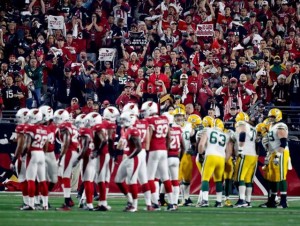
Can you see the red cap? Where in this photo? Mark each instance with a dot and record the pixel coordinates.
(233, 80)
(288, 41)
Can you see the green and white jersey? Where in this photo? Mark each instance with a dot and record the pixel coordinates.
(249, 147)
(274, 141)
(216, 142)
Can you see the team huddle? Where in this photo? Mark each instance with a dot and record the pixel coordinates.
(156, 152)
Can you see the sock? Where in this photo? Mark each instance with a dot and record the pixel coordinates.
(186, 187)
(123, 188)
(242, 190)
(51, 186)
(205, 195)
(200, 197)
(228, 187)
(89, 190)
(66, 187)
(147, 194)
(248, 192)
(219, 196)
(31, 189)
(102, 191)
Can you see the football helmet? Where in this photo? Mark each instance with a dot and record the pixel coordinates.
(218, 124)
(80, 121)
(127, 119)
(47, 113)
(261, 128)
(169, 116)
(111, 113)
(208, 121)
(35, 116)
(242, 116)
(92, 119)
(149, 108)
(179, 116)
(195, 120)
(60, 116)
(276, 113)
(22, 115)
(132, 107)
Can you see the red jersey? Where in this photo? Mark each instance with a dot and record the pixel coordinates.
(142, 125)
(175, 136)
(87, 132)
(20, 128)
(51, 130)
(131, 132)
(97, 128)
(160, 127)
(110, 126)
(38, 136)
(73, 135)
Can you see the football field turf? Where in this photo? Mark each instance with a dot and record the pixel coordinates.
(10, 214)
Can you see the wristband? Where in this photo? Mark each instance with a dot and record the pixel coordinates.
(283, 142)
(242, 137)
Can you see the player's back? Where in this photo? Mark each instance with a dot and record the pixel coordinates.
(131, 132)
(274, 140)
(142, 125)
(175, 140)
(87, 132)
(72, 130)
(216, 142)
(186, 135)
(51, 130)
(160, 127)
(249, 147)
(38, 135)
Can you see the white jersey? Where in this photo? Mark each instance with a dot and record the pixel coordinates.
(120, 13)
(216, 142)
(249, 147)
(274, 141)
(187, 131)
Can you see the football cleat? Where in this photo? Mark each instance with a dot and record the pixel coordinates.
(188, 202)
(130, 209)
(156, 207)
(45, 208)
(228, 203)
(171, 208)
(70, 203)
(248, 205)
(240, 203)
(268, 205)
(86, 208)
(27, 208)
(282, 205)
(204, 203)
(101, 208)
(218, 204)
(149, 208)
(64, 207)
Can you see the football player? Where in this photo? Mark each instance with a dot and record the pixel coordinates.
(214, 142)
(130, 143)
(19, 160)
(51, 165)
(94, 120)
(36, 139)
(247, 158)
(186, 162)
(175, 152)
(67, 135)
(279, 158)
(158, 157)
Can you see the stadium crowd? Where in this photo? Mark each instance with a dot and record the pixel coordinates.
(251, 55)
(213, 59)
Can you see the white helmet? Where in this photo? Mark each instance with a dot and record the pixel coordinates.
(111, 113)
(127, 119)
(92, 119)
(22, 115)
(80, 121)
(60, 116)
(149, 108)
(35, 116)
(169, 116)
(47, 113)
(132, 107)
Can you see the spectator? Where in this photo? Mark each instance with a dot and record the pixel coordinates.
(203, 94)
(263, 86)
(281, 93)
(24, 89)
(108, 88)
(11, 94)
(89, 106)
(294, 80)
(258, 114)
(229, 118)
(35, 73)
(189, 109)
(74, 108)
(157, 78)
(183, 90)
(127, 96)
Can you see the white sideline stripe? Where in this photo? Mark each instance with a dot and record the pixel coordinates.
(261, 187)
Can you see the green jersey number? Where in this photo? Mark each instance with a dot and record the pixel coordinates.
(253, 131)
(271, 136)
(213, 139)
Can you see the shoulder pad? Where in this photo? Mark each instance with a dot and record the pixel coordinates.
(240, 123)
(281, 125)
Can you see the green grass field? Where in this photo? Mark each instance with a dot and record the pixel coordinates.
(11, 215)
